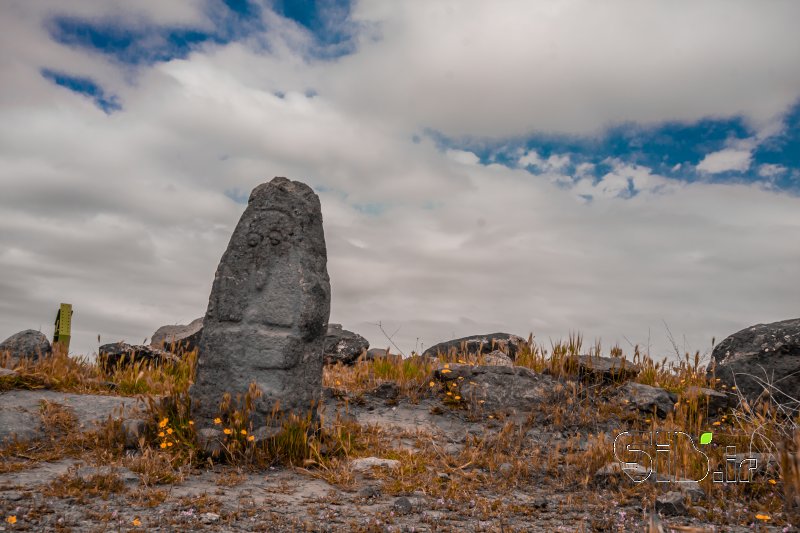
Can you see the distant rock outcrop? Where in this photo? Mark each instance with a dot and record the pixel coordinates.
(178, 339)
(120, 354)
(761, 361)
(342, 346)
(479, 344)
(27, 344)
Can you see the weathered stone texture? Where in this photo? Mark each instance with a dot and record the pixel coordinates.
(269, 307)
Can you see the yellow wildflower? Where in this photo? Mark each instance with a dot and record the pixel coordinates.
(169, 431)
(227, 431)
(218, 420)
(446, 371)
(716, 423)
(432, 384)
(458, 397)
(163, 445)
(763, 516)
(163, 423)
(169, 444)
(11, 519)
(160, 433)
(191, 422)
(137, 522)
(773, 482)
(243, 432)
(251, 438)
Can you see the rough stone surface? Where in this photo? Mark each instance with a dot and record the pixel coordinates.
(497, 358)
(342, 346)
(673, 503)
(133, 430)
(365, 464)
(603, 368)
(20, 411)
(122, 354)
(268, 308)
(30, 344)
(499, 387)
(479, 344)
(714, 401)
(760, 354)
(178, 339)
(646, 398)
(376, 353)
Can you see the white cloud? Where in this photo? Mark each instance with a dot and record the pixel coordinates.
(728, 159)
(125, 216)
(771, 171)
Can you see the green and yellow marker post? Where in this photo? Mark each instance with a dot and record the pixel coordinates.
(63, 327)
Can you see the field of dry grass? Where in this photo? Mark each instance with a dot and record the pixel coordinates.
(485, 472)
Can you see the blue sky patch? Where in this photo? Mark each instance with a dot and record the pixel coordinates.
(328, 21)
(670, 149)
(86, 87)
(137, 44)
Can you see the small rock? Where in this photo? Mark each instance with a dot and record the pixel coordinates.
(497, 358)
(402, 505)
(209, 518)
(387, 390)
(479, 344)
(178, 339)
(265, 433)
(539, 503)
(365, 464)
(714, 401)
(210, 441)
(609, 369)
(376, 353)
(671, 504)
(647, 399)
(505, 470)
(122, 354)
(133, 429)
(342, 346)
(369, 492)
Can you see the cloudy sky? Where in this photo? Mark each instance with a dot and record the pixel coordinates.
(615, 168)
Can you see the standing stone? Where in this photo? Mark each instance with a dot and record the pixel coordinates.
(268, 309)
(28, 344)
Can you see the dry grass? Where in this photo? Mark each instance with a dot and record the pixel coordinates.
(501, 460)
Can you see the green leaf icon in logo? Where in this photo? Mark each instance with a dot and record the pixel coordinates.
(705, 438)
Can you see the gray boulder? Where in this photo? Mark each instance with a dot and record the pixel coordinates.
(120, 355)
(648, 399)
(376, 353)
(478, 344)
(711, 401)
(178, 339)
(28, 344)
(597, 368)
(342, 346)
(493, 388)
(268, 308)
(761, 360)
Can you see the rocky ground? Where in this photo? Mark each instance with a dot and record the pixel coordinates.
(75, 494)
